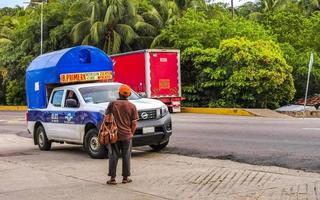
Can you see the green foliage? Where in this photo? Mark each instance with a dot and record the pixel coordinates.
(196, 29)
(292, 28)
(241, 73)
(260, 78)
(15, 93)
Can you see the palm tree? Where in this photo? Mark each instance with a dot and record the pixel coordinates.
(272, 5)
(154, 18)
(110, 27)
(162, 13)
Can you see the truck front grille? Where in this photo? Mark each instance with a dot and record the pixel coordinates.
(147, 115)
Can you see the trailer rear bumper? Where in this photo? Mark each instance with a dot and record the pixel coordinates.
(173, 103)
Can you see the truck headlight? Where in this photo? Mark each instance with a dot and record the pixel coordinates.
(164, 110)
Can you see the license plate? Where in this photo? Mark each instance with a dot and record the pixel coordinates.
(176, 109)
(147, 130)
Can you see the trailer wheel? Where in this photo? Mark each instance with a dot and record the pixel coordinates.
(92, 146)
(42, 139)
(159, 147)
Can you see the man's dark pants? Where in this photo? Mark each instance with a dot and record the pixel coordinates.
(123, 148)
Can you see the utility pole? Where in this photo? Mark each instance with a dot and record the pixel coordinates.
(41, 23)
(232, 7)
(41, 42)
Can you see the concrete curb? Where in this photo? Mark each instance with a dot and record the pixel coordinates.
(13, 108)
(217, 111)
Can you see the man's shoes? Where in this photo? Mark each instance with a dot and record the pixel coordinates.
(112, 181)
(126, 180)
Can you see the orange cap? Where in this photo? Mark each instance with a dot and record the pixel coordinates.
(125, 90)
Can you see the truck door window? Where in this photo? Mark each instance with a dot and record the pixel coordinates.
(71, 95)
(57, 98)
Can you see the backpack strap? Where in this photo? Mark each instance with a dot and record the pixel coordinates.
(109, 115)
(110, 107)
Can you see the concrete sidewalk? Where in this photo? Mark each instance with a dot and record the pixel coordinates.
(67, 172)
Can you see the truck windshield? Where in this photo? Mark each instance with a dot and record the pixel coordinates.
(103, 94)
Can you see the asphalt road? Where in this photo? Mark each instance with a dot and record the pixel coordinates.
(291, 143)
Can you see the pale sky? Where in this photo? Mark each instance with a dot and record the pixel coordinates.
(13, 3)
(236, 2)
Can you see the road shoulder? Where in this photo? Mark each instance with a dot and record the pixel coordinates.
(67, 172)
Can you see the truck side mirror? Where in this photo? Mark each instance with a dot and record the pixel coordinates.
(142, 94)
(71, 103)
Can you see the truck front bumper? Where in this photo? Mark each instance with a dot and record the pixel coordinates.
(163, 131)
(148, 139)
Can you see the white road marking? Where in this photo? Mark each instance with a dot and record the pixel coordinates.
(312, 129)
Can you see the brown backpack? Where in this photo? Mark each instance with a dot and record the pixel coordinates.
(108, 133)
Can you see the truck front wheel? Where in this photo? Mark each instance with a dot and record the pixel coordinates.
(92, 146)
(159, 147)
(42, 140)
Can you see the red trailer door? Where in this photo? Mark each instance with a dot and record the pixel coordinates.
(164, 74)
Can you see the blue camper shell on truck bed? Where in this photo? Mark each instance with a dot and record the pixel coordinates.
(67, 94)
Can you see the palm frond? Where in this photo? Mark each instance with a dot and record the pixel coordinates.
(111, 15)
(152, 17)
(126, 32)
(95, 13)
(86, 40)
(142, 42)
(97, 32)
(157, 41)
(116, 42)
(80, 31)
(145, 29)
(26, 44)
(130, 8)
(131, 20)
(113, 43)
(118, 7)
(162, 8)
(105, 3)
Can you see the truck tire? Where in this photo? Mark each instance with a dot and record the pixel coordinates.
(92, 146)
(42, 139)
(159, 147)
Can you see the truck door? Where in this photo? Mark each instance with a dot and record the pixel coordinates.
(71, 116)
(54, 126)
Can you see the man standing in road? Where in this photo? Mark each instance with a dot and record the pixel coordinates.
(126, 117)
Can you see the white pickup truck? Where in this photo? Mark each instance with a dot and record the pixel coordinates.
(74, 114)
(67, 94)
